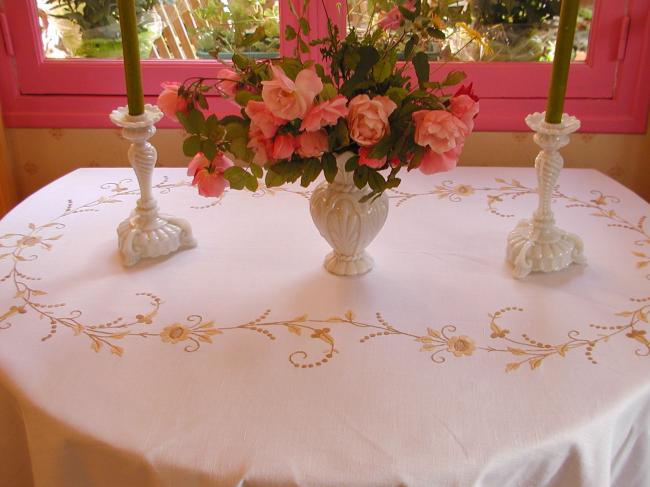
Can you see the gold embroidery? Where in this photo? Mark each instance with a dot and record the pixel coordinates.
(514, 189)
(534, 352)
(194, 331)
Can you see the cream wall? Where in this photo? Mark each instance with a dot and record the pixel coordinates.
(42, 155)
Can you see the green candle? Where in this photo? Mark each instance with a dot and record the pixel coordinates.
(131, 54)
(562, 60)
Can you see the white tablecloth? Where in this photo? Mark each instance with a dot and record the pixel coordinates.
(243, 362)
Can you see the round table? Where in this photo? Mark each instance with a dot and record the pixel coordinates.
(243, 362)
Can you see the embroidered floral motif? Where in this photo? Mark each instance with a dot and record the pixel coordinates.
(318, 334)
(461, 345)
(175, 333)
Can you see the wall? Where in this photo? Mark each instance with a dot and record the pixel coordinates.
(7, 189)
(42, 155)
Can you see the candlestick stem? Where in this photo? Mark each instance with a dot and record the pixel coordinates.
(147, 233)
(537, 244)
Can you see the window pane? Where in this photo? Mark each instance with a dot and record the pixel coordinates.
(169, 29)
(487, 30)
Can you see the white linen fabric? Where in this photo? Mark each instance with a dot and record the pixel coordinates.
(243, 362)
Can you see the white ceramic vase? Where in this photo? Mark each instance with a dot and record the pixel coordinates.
(348, 225)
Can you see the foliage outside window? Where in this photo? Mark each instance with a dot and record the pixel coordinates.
(90, 28)
(248, 25)
(507, 30)
(476, 30)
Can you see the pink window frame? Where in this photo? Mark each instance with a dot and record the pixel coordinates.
(609, 92)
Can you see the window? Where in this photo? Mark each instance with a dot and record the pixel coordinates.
(61, 67)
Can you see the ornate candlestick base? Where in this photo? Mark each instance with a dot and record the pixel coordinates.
(537, 244)
(146, 233)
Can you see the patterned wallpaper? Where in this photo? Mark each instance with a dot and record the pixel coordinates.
(41, 155)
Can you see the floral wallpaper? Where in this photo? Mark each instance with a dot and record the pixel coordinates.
(41, 155)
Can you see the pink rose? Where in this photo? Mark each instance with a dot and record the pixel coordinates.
(312, 144)
(467, 90)
(169, 101)
(432, 162)
(288, 99)
(465, 108)
(368, 119)
(439, 130)
(263, 118)
(394, 18)
(229, 82)
(208, 176)
(283, 146)
(260, 145)
(326, 113)
(364, 160)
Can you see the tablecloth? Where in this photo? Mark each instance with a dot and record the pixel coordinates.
(243, 362)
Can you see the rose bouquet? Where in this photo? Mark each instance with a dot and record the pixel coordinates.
(297, 116)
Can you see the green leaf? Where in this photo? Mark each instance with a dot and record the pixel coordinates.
(436, 33)
(368, 57)
(339, 137)
(367, 197)
(328, 92)
(421, 65)
(360, 176)
(251, 182)
(383, 146)
(242, 97)
(407, 13)
(237, 177)
(376, 181)
(304, 25)
(311, 171)
(453, 78)
(182, 118)
(194, 122)
(202, 101)
(240, 150)
(352, 164)
(329, 166)
(192, 145)
(290, 33)
(240, 61)
(393, 183)
(291, 67)
(250, 39)
(410, 46)
(273, 179)
(382, 70)
(231, 118)
(304, 48)
(397, 94)
(213, 129)
(209, 149)
(418, 153)
(256, 170)
(351, 58)
(235, 130)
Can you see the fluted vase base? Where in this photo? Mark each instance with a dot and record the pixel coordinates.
(342, 265)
